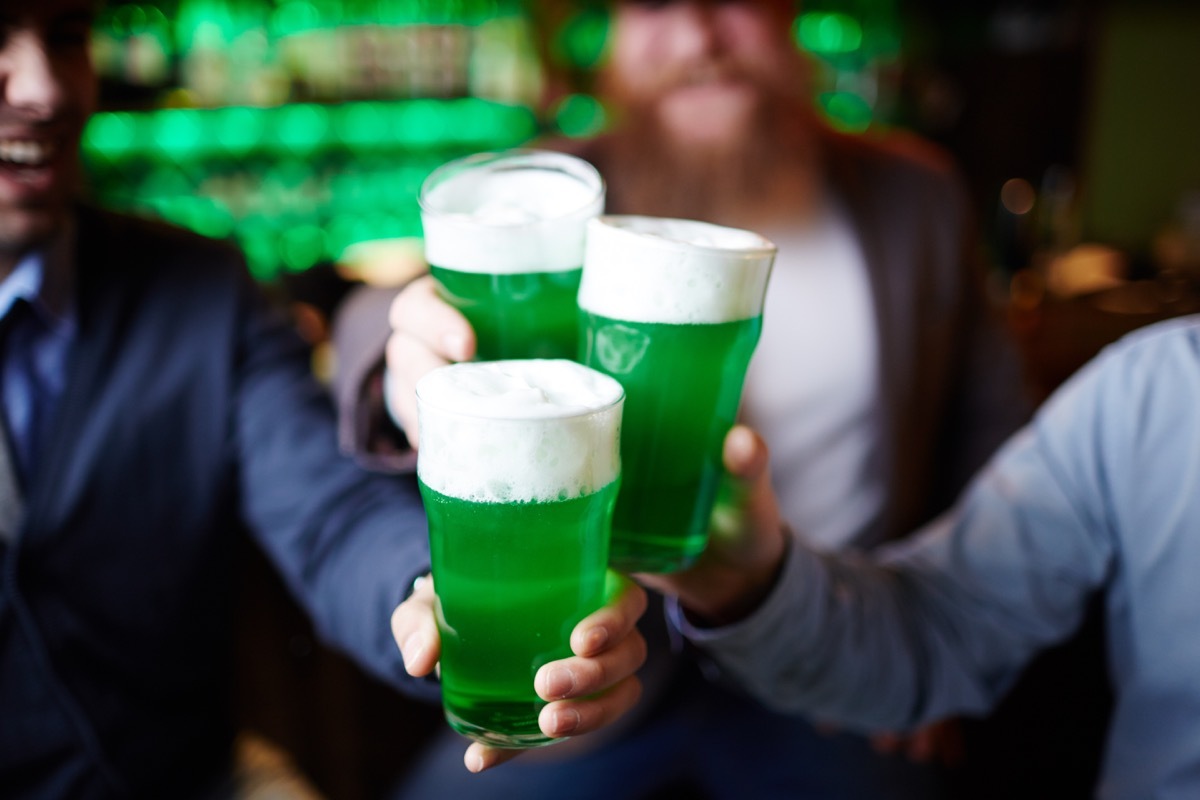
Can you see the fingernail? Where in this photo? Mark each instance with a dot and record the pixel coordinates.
(595, 640)
(563, 721)
(412, 648)
(742, 442)
(455, 346)
(560, 682)
(474, 761)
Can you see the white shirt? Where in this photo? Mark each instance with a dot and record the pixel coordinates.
(812, 389)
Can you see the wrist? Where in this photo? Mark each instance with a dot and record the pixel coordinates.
(732, 594)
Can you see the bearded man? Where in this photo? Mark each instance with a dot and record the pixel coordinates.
(881, 381)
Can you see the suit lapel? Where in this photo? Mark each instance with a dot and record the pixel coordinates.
(72, 445)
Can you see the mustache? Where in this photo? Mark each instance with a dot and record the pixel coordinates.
(699, 73)
(647, 87)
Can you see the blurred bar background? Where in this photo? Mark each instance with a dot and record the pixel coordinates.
(302, 129)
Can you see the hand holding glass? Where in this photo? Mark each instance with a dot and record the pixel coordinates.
(518, 467)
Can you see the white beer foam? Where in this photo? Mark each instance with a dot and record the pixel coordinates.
(520, 211)
(682, 272)
(518, 431)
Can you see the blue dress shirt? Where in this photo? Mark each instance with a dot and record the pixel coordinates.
(1099, 494)
(34, 354)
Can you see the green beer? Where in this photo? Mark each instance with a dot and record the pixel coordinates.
(518, 467)
(679, 407)
(515, 578)
(525, 314)
(504, 237)
(673, 310)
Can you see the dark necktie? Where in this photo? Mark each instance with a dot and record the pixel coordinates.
(12, 497)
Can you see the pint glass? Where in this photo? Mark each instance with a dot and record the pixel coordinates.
(504, 239)
(518, 468)
(672, 309)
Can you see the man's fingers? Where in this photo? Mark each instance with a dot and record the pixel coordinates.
(745, 454)
(415, 630)
(426, 334)
(480, 757)
(608, 625)
(408, 360)
(577, 677)
(565, 718)
(419, 312)
(575, 717)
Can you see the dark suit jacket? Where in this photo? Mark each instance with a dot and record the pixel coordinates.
(189, 417)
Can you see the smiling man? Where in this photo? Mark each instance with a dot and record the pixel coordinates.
(49, 93)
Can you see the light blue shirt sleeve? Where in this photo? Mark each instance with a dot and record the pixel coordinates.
(942, 623)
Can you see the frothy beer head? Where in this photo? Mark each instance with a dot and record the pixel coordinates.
(653, 269)
(518, 431)
(509, 212)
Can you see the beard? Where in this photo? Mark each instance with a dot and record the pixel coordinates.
(654, 166)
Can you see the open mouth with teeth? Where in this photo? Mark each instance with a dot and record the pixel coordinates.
(31, 168)
(29, 153)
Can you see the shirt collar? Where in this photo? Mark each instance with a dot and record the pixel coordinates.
(44, 279)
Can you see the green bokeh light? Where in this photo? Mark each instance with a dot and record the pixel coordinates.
(581, 41)
(301, 127)
(580, 115)
(302, 246)
(295, 16)
(112, 135)
(846, 111)
(179, 131)
(238, 130)
(361, 123)
(423, 123)
(828, 32)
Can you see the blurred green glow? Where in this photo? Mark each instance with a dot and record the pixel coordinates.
(344, 230)
(238, 130)
(206, 216)
(163, 182)
(257, 237)
(178, 131)
(882, 42)
(582, 39)
(292, 184)
(184, 134)
(294, 16)
(423, 122)
(580, 115)
(361, 123)
(301, 127)
(302, 246)
(112, 135)
(828, 32)
(846, 111)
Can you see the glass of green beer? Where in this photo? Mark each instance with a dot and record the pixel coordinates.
(504, 237)
(518, 468)
(673, 310)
